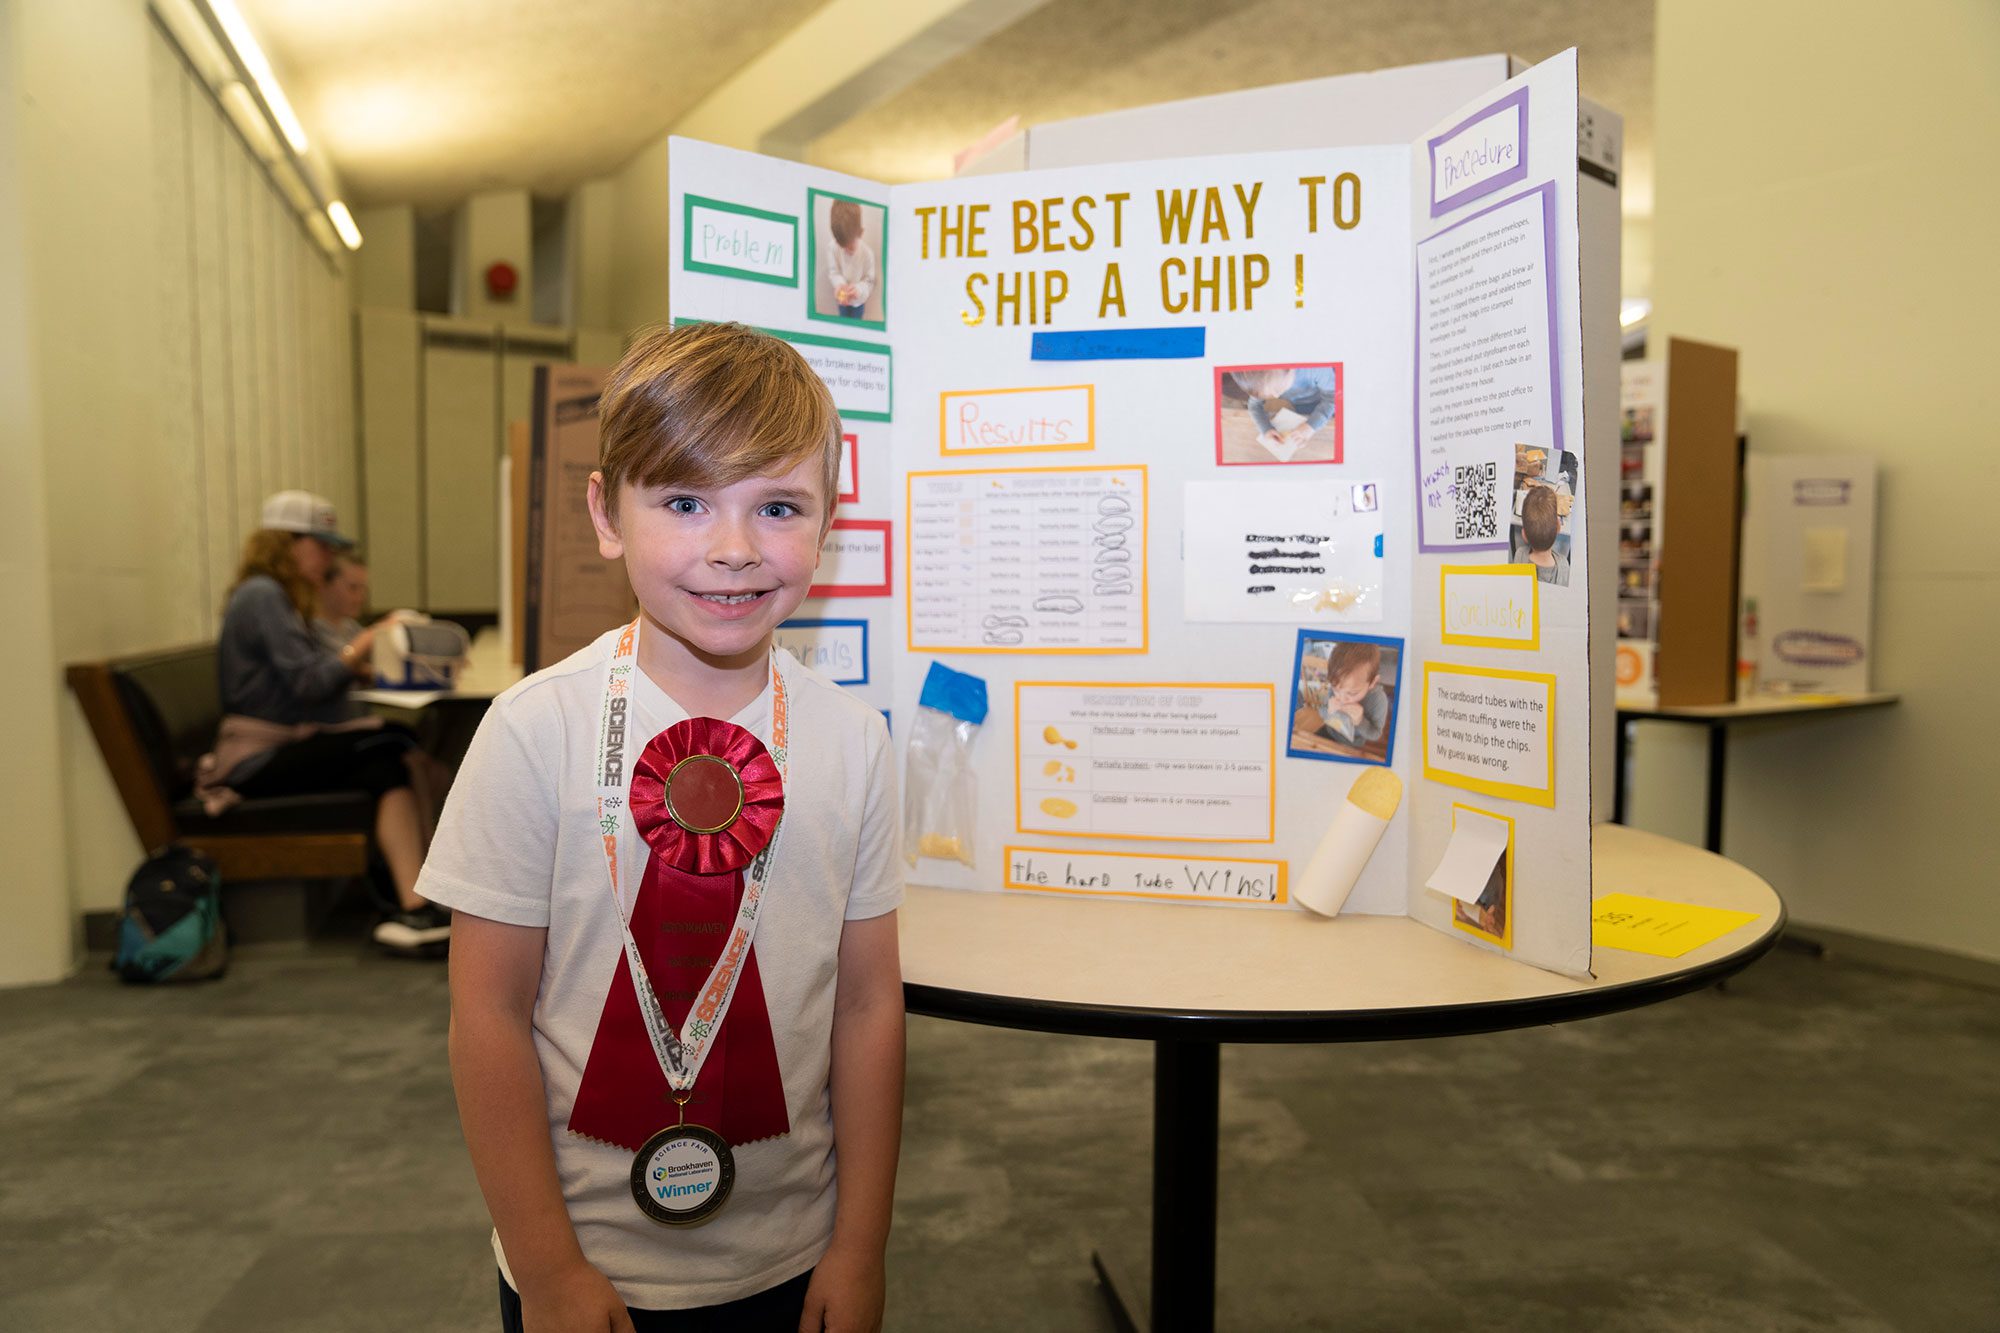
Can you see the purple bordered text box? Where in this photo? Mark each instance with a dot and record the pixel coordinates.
(1547, 190)
(1517, 102)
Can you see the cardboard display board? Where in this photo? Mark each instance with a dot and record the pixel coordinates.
(1680, 527)
(1234, 478)
(520, 448)
(572, 594)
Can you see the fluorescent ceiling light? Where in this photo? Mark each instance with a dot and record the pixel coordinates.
(252, 56)
(343, 222)
(1633, 311)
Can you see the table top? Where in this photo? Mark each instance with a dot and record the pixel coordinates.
(1163, 970)
(417, 699)
(486, 673)
(1761, 705)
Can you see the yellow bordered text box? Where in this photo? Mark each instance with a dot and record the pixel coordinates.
(1181, 879)
(1461, 916)
(1490, 606)
(1135, 544)
(1455, 743)
(1036, 419)
(1154, 756)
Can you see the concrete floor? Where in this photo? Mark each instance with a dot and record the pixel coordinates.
(1813, 1148)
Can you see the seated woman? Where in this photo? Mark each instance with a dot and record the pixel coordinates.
(287, 727)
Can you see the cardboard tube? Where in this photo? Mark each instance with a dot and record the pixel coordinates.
(1336, 864)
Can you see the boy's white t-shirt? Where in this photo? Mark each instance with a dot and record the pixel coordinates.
(518, 843)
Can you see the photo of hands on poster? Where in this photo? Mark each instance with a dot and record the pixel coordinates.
(847, 271)
(1286, 413)
(1344, 694)
(1545, 487)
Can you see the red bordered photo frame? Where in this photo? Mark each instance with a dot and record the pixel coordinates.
(880, 589)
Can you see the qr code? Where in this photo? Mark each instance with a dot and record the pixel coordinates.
(1478, 514)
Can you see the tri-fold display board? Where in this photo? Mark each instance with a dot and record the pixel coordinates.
(1233, 478)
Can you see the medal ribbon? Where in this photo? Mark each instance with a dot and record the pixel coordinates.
(680, 1053)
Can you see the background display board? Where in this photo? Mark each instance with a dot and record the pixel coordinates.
(1234, 478)
(571, 592)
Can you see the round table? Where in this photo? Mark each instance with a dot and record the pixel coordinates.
(1187, 981)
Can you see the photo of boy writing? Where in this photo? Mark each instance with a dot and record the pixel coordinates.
(1345, 702)
(1278, 414)
(682, 813)
(848, 283)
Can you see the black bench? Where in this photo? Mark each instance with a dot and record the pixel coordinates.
(154, 715)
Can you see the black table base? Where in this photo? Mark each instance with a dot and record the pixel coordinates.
(1187, 1092)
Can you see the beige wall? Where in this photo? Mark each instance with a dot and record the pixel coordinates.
(385, 267)
(639, 240)
(36, 933)
(488, 229)
(184, 350)
(1824, 188)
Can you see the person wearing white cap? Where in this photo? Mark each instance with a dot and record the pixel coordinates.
(286, 726)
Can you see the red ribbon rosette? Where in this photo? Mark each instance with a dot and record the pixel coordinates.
(706, 796)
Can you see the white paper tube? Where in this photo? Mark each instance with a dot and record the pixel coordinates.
(1337, 862)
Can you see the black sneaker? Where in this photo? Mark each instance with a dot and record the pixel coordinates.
(424, 929)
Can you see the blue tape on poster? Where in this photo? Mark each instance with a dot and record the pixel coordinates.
(954, 692)
(1120, 345)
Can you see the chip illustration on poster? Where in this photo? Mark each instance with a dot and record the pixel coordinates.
(1225, 475)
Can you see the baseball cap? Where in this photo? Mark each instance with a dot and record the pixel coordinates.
(303, 512)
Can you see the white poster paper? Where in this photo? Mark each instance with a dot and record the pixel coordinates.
(1145, 875)
(857, 373)
(1477, 844)
(995, 421)
(1490, 731)
(855, 560)
(1485, 367)
(1291, 552)
(837, 649)
(1028, 560)
(747, 242)
(1174, 762)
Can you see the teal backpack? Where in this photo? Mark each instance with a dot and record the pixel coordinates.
(171, 927)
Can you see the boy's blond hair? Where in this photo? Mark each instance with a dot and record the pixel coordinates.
(843, 219)
(708, 405)
(1348, 655)
(1264, 382)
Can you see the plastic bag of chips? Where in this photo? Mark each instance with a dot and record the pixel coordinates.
(940, 790)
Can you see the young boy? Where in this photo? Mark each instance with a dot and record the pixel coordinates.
(1311, 392)
(718, 456)
(1357, 707)
(850, 262)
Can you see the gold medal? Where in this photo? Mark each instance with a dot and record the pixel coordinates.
(683, 1174)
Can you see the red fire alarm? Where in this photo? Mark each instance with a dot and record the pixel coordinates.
(501, 280)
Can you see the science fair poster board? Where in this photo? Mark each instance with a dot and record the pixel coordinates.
(1233, 478)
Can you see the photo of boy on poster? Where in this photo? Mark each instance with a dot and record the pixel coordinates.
(1345, 689)
(1545, 490)
(846, 241)
(1280, 413)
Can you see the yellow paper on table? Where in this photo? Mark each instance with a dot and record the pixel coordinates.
(1658, 927)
